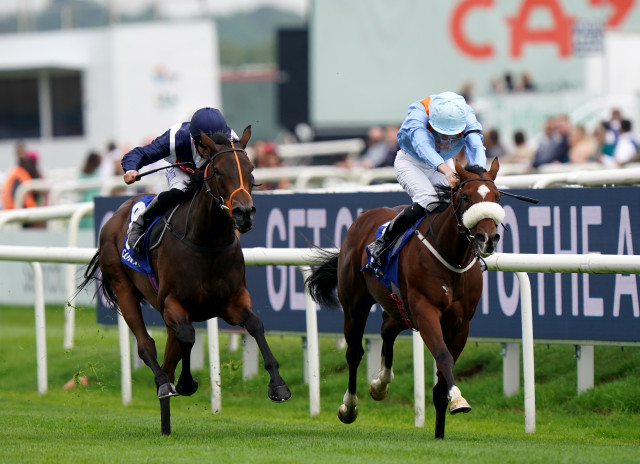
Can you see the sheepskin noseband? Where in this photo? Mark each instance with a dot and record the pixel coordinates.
(480, 211)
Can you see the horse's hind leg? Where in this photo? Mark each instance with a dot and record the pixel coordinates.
(129, 304)
(355, 319)
(181, 337)
(379, 386)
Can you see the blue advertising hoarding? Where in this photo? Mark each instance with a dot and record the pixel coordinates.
(601, 307)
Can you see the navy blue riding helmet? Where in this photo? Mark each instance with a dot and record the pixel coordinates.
(209, 121)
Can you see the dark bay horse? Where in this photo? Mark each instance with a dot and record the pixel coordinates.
(439, 286)
(200, 270)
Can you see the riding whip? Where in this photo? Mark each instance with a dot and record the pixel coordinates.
(520, 197)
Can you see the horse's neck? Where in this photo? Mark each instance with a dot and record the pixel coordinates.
(207, 224)
(448, 238)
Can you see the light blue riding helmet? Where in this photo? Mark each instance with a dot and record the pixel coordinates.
(447, 114)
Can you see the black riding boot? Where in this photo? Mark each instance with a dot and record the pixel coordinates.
(399, 225)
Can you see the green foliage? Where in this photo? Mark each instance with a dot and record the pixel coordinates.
(91, 424)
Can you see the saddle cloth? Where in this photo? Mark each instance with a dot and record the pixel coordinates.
(140, 261)
(387, 274)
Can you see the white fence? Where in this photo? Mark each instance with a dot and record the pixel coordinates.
(303, 177)
(520, 264)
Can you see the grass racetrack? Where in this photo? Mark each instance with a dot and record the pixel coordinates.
(90, 424)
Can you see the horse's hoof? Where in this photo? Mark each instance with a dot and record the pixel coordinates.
(346, 415)
(458, 405)
(279, 394)
(187, 390)
(167, 389)
(378, 395)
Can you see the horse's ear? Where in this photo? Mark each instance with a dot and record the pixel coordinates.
(206, 140)
(493, 171)
(246, 135)
(462, 172)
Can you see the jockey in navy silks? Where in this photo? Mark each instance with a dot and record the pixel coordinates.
(180, 144)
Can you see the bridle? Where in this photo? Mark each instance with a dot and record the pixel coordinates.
(457, 209)
(224, 205)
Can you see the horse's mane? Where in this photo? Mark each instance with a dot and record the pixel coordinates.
(444, 191)
(197, 178)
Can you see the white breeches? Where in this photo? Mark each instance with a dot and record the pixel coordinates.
(417, 178)
(177, 178)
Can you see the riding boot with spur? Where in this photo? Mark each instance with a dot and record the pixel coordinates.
(399, 225)
(135, 235)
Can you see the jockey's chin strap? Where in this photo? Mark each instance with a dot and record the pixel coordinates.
(225, 205)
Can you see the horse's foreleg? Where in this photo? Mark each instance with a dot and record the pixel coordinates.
(130, 307)
(278, 389)
(456, 345)
(180, 330)
(431, 332)
(379, 386)
(440, 402)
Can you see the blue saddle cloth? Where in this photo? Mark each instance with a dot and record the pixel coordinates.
(388, 273)
(140, 261)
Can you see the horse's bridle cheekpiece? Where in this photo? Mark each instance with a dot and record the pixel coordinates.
(226, 206)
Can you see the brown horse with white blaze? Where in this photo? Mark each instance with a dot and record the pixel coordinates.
(439, 286)
(200, 270)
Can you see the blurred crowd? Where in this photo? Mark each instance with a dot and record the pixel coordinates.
(611, 142)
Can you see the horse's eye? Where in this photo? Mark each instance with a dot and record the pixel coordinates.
(465, 197)
(216, 172)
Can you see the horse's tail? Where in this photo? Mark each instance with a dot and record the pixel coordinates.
(324, 279)
(92, 273)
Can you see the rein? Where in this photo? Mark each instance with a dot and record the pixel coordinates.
(462, 229)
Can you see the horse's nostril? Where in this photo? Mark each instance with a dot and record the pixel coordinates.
(496, 239)
(481, 238)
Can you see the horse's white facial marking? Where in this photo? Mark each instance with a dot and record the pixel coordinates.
(446, 290)
(483, 190)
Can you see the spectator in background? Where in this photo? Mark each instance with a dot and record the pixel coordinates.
(90, 170)
(626, 150)
(522, 153)
(604, 149)
(391, 139)
(526, 84)
(467, 91)
(509, 85)
(582, 147)
(563, 128)
(266, 156)
(494, 148)
(110, 163)
(26, 168)
(375, 153)
(547, 143)
(615, 122)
